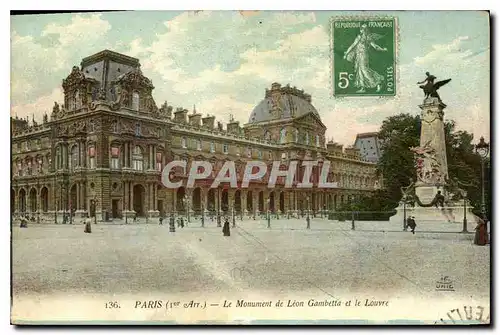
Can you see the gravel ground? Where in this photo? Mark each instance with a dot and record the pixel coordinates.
(328, 258)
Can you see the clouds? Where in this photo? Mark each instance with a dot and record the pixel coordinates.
(38, 65)
(223, 61)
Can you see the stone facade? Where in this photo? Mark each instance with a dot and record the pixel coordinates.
(102, 151)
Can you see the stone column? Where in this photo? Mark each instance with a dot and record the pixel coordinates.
(131, 196)
(174, 197)
(244, 194)
(255, 201)
(125, 152)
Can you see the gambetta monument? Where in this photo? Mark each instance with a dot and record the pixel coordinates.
(432, 196)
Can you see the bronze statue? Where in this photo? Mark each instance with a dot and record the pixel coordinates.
(430, 88)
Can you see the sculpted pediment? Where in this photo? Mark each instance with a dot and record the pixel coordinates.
(135, 80)
(310, 119)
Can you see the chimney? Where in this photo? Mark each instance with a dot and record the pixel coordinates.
(208, 122)
(195, 120)
(180, 115)
(233, 127)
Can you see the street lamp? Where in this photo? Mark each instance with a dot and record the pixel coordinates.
(95, 208)
(308, 219)
(38, 199)
(202, 215)
(218, 208)
(464, 196)
(405, 228)
(353, 227)
(234, 216)
(482, 149)
(186, 201)
(268, 214)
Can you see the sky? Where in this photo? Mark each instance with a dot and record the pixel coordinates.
(222, 62)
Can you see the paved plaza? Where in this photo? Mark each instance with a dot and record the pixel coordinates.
(329, 257)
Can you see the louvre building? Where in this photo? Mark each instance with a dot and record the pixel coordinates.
(102, 150)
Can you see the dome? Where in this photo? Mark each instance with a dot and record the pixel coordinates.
(282, 103)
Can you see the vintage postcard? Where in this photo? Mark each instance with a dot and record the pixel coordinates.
(250, 167)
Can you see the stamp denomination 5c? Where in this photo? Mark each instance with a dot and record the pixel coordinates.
(364, 56)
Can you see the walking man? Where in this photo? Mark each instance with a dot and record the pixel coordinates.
(412, 224)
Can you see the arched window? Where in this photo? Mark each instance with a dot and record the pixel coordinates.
(73, 161)
(92, 158)
(282, 135)
(135, 101)
(296, 136)
(115, 157)
(137, 159)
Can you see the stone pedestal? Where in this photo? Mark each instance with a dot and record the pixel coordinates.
(128, 214)
(426, 215)
(153, 214)
(80, 213)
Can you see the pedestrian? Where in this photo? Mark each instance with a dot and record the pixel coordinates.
(87, 222)
(225, 229)
(24, 222)
(412, 224)
(481, 235)
(439, 200)
(182, 222)
(161, 221)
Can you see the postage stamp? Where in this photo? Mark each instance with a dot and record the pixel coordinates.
(364, 56)
(167, 181)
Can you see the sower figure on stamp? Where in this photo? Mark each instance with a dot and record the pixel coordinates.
(357, 53)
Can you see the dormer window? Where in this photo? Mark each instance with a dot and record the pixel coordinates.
(135, 101)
